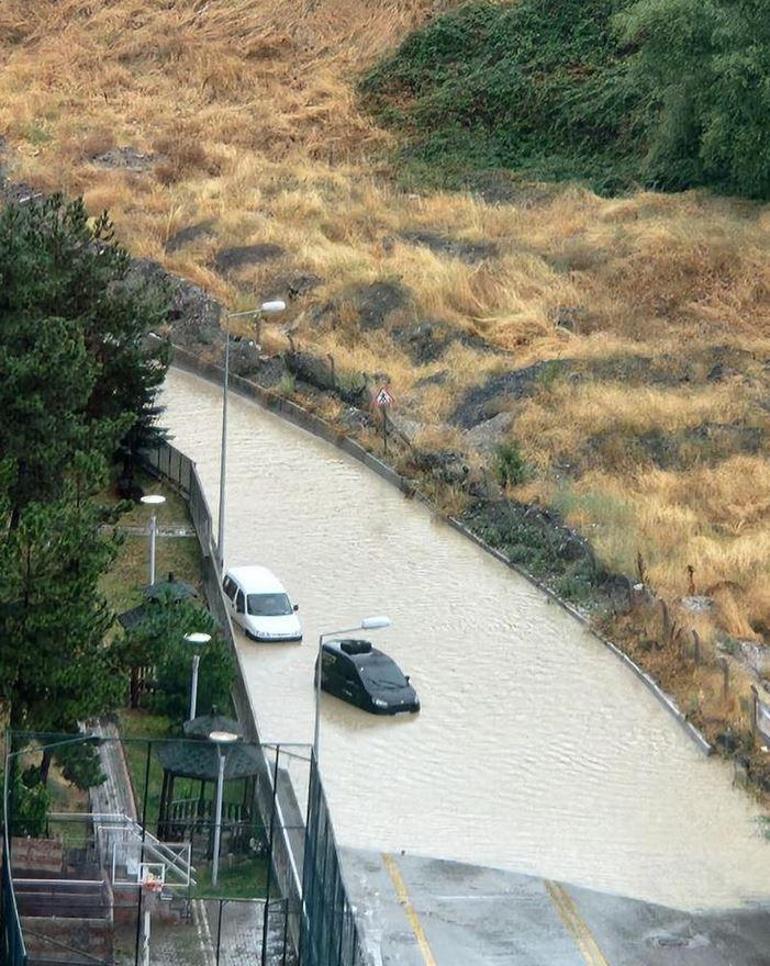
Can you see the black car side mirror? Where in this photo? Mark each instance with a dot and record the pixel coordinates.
(407, 679)
(296, 607)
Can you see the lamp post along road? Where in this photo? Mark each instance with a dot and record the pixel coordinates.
(221, 739)
(266, 308)
(153, 499)
(367, 624)
(194, 639)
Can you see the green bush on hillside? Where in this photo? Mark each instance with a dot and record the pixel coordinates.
(670, 93)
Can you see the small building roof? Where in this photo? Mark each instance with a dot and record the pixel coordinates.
(204, 724)
(170, 588)
(200, 759)
(130, 619)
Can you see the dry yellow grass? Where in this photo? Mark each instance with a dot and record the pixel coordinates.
(251, 114)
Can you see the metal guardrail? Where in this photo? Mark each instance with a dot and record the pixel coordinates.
(323, 927)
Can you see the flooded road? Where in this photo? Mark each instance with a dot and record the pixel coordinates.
(536, 750)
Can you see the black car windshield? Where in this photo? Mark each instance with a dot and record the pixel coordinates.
(268, 605)
(382, 674)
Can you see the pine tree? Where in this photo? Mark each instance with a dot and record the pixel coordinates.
(73, 349)
(58, 666)
(77, 382)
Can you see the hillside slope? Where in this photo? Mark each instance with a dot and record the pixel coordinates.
(228, 143)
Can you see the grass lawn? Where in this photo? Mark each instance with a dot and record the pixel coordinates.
(142, 726)
(178, 555)
(245, 879)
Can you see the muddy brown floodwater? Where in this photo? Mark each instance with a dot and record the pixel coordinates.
(536, 750)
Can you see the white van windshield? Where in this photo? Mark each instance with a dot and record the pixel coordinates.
(268, 605)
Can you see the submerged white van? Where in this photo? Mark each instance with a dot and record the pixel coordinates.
(260, 605)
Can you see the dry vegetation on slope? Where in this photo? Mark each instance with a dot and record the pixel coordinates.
(649, 433)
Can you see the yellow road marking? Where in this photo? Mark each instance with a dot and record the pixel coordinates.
(575, 924)
(411, 914)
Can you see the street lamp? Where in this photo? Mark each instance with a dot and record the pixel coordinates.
(153, 499)
(197, 637)
(266, 308)
(367, 624)
(221, 739)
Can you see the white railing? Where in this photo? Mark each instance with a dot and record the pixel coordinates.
(122, 845)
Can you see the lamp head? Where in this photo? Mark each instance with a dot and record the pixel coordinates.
(273, 307)
(223, 737)
(375, 623)
(197, 637)
(153, 499)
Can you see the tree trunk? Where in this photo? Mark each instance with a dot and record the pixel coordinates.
(45, 765)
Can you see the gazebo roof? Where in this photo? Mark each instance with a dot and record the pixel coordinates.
(133, 618)
(170, 588)
(204, 724)
(199, 759)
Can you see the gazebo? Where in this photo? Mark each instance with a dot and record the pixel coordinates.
(196, 759)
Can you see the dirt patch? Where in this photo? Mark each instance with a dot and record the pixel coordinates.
(707, 445)
(299, 285)
(127, 158)
(472, 252)
(320, 374)
(231, 259)
(445, 466)
(711, 364)
(487, 436)
(194, 316)
(189, 234)
(496, 395)
(503, 187)
(436, 379)
(426, 342)
(380, 305)
(377, 303)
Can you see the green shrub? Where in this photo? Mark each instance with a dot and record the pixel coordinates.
(286, 384)
(670, 93)
(510, 466)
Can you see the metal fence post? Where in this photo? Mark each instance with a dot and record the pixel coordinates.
(270, 857)
(219, 928)
(141, 852)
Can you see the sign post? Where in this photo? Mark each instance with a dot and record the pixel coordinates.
(383, 400)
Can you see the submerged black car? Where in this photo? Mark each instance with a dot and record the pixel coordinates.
(361, 675)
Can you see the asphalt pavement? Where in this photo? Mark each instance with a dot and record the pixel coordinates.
(427, 912)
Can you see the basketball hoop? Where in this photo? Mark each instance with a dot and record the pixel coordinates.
(152, 886)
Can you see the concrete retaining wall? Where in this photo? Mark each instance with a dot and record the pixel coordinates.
(295, 414)
(50, 938)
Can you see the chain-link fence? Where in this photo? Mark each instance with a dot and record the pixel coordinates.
(167, 461)
(330, 936)
(129, 866)
(305, 916)
(304, 868)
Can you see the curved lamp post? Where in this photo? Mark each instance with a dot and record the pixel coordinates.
(266, 308)
(367, 624)
(196, 638)
(153, 500)
(222, 739)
